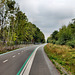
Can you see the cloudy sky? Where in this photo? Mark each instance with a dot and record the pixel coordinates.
(48, 15)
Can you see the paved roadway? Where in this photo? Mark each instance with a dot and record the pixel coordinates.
(11, 63)
(42, 65)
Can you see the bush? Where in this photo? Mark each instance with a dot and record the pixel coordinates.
(71, 43)
(58, 42)
(53, 41)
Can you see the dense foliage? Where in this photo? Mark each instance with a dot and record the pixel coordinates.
(14, 25)
(64, 55)
(65, 35)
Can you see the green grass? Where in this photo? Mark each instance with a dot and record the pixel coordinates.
(64, 55)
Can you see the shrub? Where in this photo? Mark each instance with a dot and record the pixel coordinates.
(71, 43)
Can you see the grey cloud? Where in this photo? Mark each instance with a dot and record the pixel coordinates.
(48, 15)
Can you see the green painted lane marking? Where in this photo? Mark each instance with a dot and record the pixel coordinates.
(25, 63)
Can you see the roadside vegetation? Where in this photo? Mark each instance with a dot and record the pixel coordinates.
(64, 55)
(4, 49)
(15, 29)
(65, 35)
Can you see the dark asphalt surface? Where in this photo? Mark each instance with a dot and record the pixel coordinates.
(11, 63)
(42, 65)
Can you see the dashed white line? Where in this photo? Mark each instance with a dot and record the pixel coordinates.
(18, 53)
(5, 60)
(13, 56)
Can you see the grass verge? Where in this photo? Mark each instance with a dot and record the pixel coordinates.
(63, 55)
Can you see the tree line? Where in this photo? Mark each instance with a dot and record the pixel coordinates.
(15, 27)
(65, 35)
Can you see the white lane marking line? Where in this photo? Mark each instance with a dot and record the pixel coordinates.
(18, 53)
(27, 67)
(5, 60)
(13, 56)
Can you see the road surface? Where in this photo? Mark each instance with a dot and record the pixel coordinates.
(12, 62)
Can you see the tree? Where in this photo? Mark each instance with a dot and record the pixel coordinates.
(65, 36)
(15, 26)
(54, 35)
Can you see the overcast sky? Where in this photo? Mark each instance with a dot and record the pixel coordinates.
(48, 15)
